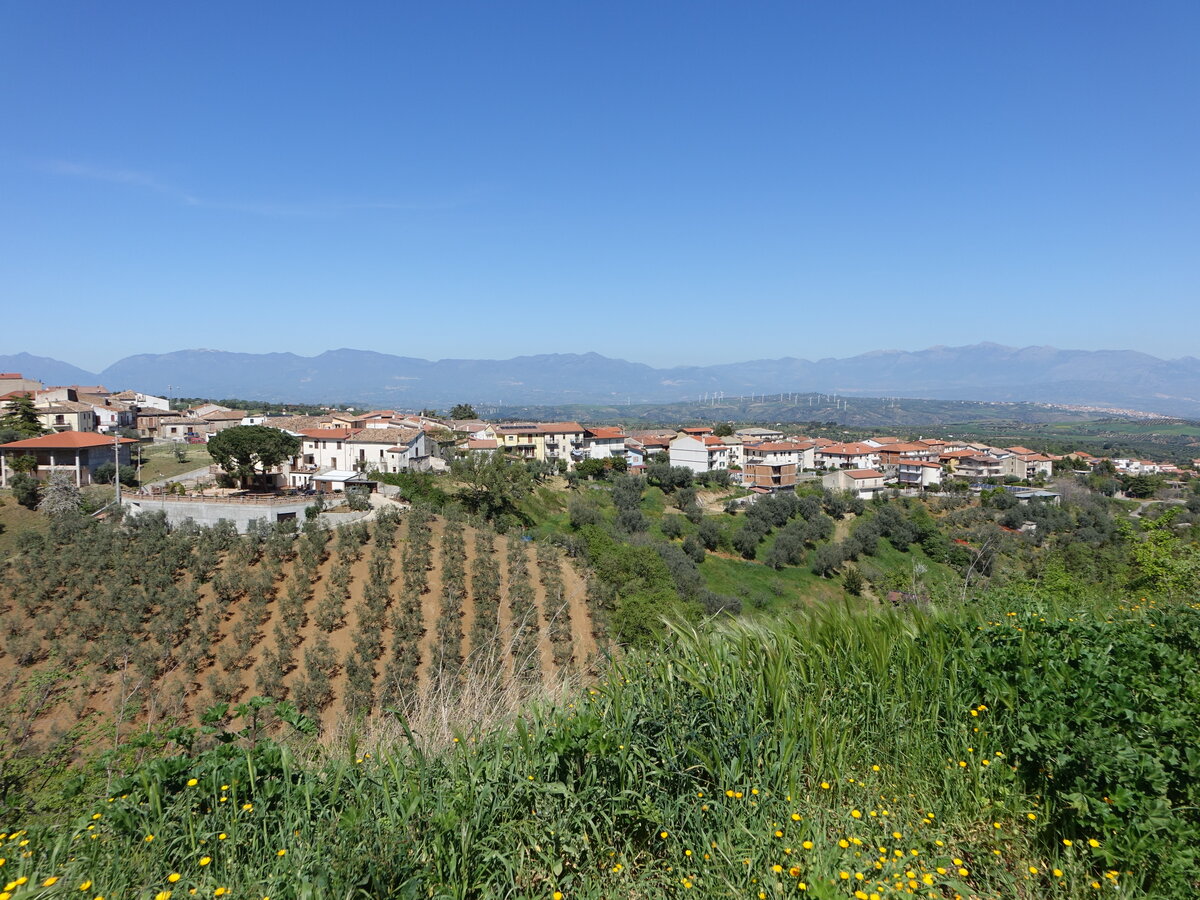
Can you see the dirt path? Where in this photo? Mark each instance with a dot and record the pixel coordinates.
(542, 615)
(504, 629)
(431, 607)
(582, 637)
(469, 610)
(841, 527)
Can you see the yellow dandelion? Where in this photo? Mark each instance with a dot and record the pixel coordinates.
(856, 813)
(557, 895)
(1058, 873)
(192, 782)
(163, 895)
(205, 860)
(1092, 842)
(148, 838)
(174, 877)
(53, 879)
(281, 852)
(247, 807)
(85, 885)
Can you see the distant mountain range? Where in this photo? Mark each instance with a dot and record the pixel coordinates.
(1102, 378)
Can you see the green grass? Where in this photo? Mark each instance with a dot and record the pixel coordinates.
(158, 460)
(763, 588)
(15, 519)
(839, 750)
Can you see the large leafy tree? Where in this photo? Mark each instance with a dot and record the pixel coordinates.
(462, 411)
(21, 417)
(245, 450)
(492, 483)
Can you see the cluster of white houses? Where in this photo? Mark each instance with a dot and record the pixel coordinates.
(336, 449)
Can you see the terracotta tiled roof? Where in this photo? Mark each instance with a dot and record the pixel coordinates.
(863, 473)
(384, 436)
(778, 446)
(327, 434)
(853, 449)
(66, 440)
(604, 431)
(65, 406)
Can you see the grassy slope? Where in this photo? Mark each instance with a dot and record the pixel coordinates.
(836, 752)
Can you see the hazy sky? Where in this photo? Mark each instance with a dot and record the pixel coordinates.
(686, 182)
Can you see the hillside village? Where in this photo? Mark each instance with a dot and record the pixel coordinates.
(88, 426)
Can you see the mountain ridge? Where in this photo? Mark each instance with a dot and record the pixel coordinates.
(1126, 379)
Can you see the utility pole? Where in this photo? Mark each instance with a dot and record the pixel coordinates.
(117, 464)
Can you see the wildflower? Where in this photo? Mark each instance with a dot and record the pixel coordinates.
(1033, 870)
(248, 807)
(205, 860)
(824, 785)
(85, 885)
(163, 895)
(1031, 816)
(1092, 842)
(97, 816)
(49, 881)
(663, 835)
(795, 817)
(777, 868)
(557, 895)
(1067, 842)
(174, 877)
(222, 836)
(807, 845)
(220, 892)
(1058, 873)
(856, 814)
(148, 838)
(281, 852)
(192, 782)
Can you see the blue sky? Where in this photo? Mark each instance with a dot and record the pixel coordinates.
(671, 183)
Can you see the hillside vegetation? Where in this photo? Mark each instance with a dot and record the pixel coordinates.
(138, 623)
(665, 693)
(978, 752)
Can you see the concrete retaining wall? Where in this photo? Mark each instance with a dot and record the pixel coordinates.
(210, 513)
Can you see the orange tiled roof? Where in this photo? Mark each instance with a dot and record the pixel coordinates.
(66, 440)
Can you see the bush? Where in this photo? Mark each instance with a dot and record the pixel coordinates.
(103, 474)
(25, 490)
(358, 498)
(853, 581)
(672, 526)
